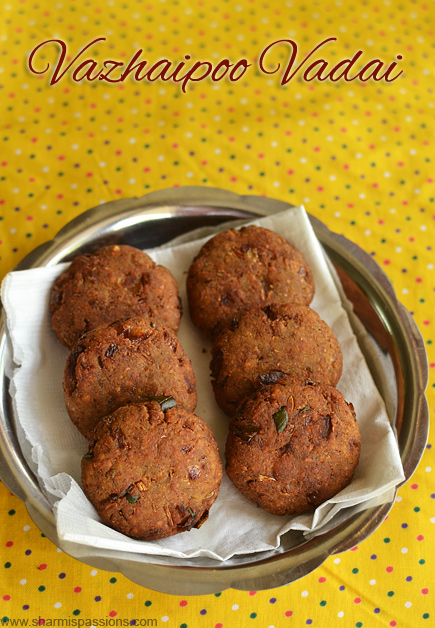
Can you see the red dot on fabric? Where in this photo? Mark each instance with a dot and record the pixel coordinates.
(420, 537)
(113, 614)
(9, 543)
(6, 598)
(77, 589)
(219, 626)
(288, 613)
(414, 486)
(389, 569)
(322, 579)
(252, 592)
(357, 600)
(42, 566)
(425, 591)
(393, 623)
(353, 549)
(183, 603)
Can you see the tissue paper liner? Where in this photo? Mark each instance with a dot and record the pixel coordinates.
(53, 447)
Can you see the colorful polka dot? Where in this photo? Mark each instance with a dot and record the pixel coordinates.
(358, 155)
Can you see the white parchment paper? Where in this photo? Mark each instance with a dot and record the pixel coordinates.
(54, 447)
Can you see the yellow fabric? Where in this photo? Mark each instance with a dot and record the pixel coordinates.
(358, 155)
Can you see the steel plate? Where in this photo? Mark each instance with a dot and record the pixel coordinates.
(157, 218)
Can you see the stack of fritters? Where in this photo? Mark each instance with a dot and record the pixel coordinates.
(153, 467)
(249, 291)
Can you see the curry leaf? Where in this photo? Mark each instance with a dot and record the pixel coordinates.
(281, 419)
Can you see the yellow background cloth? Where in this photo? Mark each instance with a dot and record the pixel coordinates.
(358, 155)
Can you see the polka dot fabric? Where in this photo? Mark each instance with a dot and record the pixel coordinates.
(359, 156)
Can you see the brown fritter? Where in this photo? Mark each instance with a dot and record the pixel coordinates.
(239, 269)
(151, 473)
(265, 345)
(293, 446)
(112, 283)
(122, 363)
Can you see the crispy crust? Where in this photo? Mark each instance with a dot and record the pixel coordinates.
(122, 363)
(152, 474)
(112, 283)
(312, 458)
(240, 269)
(264, 345)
